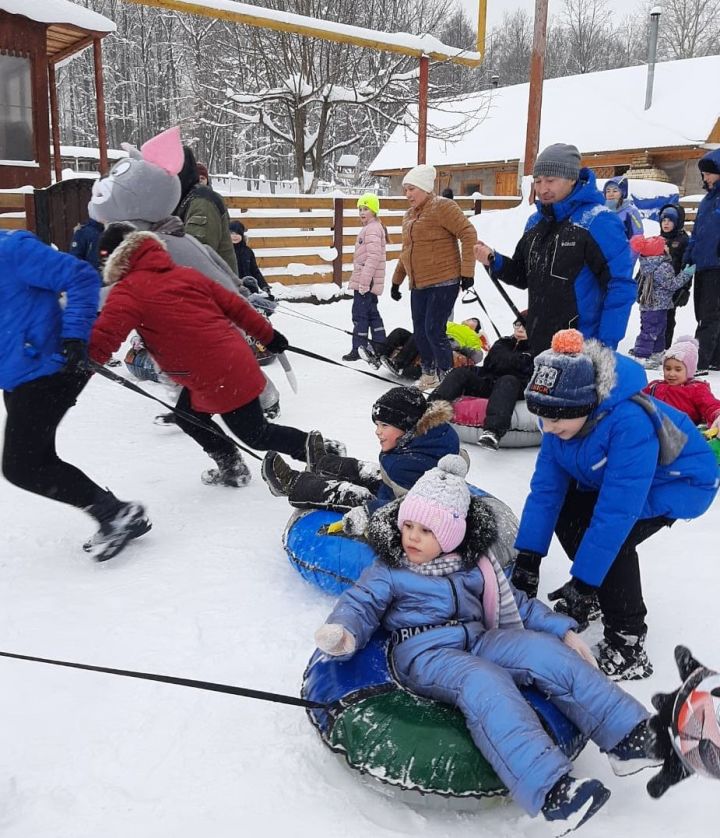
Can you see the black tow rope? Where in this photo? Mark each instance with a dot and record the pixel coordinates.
(210, 686)
(472, 296)
(317, 357)
(503, 293)
(119, 379)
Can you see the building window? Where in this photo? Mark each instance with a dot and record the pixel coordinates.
(16, 115)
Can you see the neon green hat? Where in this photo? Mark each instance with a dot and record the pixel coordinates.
(371, 201)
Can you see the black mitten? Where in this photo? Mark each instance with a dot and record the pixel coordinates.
(395, 292)
(75, 351)
(576, 599)
(526, 573)
(279, 343)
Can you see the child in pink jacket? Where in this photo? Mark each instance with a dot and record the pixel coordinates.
(368, 280)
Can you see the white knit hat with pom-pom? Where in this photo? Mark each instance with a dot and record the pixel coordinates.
(440, 501)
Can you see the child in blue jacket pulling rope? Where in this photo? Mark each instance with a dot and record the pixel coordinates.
(461, 634)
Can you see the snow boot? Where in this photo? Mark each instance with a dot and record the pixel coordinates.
(654, 362)
(278, 475)
(428, 381)
(571, 802)
(314, 449)
(231, 471)
(368, 354)
(351, 356)
(622, 656)
(489, 439)
(273, 411)
(634, 752)
(119, 521)
(390, 365)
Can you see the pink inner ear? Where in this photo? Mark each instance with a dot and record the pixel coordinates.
(165, 151)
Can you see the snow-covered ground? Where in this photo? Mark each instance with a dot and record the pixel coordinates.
(209, 594)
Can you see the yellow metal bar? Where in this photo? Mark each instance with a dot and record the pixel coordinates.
(301, 25)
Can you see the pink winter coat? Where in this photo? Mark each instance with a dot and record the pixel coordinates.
(369, 259)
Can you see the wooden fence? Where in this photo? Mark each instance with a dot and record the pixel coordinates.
(297, 239)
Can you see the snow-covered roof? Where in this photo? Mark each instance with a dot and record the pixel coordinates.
(403, 42)
(596, 112)
(348, 160)
(58, 11)
(90, 153)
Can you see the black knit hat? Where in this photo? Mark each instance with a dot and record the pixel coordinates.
(237, 227)
(112, 237)
(401, 407)
(709, 164)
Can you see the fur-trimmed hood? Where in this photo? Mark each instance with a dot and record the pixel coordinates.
(126, 255)
(436, 413)
(482, 531)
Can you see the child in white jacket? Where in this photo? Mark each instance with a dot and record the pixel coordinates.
(368, 280)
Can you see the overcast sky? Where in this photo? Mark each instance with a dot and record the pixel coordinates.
(497, 8)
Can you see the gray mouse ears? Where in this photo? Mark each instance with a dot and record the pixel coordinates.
(165, 150)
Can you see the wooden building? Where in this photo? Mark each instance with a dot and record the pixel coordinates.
(477, 142)
(35, 36)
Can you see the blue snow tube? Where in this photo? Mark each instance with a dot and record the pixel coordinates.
(331, 562)
(402, 739)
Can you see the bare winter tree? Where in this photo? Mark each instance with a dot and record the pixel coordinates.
(689, 28)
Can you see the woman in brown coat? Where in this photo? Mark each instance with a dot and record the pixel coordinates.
(433, 227)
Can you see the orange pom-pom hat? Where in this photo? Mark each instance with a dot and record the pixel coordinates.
(567, 342)
(563, 383)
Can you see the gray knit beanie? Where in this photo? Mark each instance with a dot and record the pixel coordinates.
(558, 160)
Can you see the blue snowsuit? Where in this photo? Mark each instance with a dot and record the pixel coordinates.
(86, 240)
(575, 262)
(453, 658)
(32, 323)
(619, 458)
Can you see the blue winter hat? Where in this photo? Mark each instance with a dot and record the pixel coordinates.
(563, 383)
(672, 214)
(619, 183)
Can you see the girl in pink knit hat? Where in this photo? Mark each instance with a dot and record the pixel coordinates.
(681, 389)
(462, 634)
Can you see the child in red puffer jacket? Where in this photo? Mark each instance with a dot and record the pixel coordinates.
(680, 389)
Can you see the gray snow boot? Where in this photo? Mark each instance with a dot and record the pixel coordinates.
(119, 521)
(231, 471)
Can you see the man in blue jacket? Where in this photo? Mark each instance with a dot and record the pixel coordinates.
(573, 258)
(615, 467)
(43, 369)
(703, 251)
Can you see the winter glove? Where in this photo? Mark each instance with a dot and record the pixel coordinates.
(355, 521)
(577, 599)
(467, 282)
(334, 640)
(395, 292)
(279, 343)
(526, 573)
(577, 644)
(75, 352)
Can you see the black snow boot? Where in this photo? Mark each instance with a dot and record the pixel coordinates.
(119, 521)
(314, 449)
(231, 471)
(278, 475)
(622, 656)
(572, 802)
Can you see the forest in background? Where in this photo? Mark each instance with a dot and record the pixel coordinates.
(255, 102)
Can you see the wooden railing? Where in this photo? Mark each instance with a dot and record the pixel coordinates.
(300, 239)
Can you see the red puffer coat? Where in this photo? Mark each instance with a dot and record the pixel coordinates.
(186, 321)
(693, 397)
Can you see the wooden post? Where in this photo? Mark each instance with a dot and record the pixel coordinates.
(423, 109)
(100, 99)
(55, 118)
(477, 206)
(30, 223)
(338, 240)
(537, 71)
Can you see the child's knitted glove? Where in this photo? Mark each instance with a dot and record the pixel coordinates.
(335, 640)
(689, 272)
(355, 521)
(577, 644)
(577, 599)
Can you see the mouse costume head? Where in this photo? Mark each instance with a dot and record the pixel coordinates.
(143, 186)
